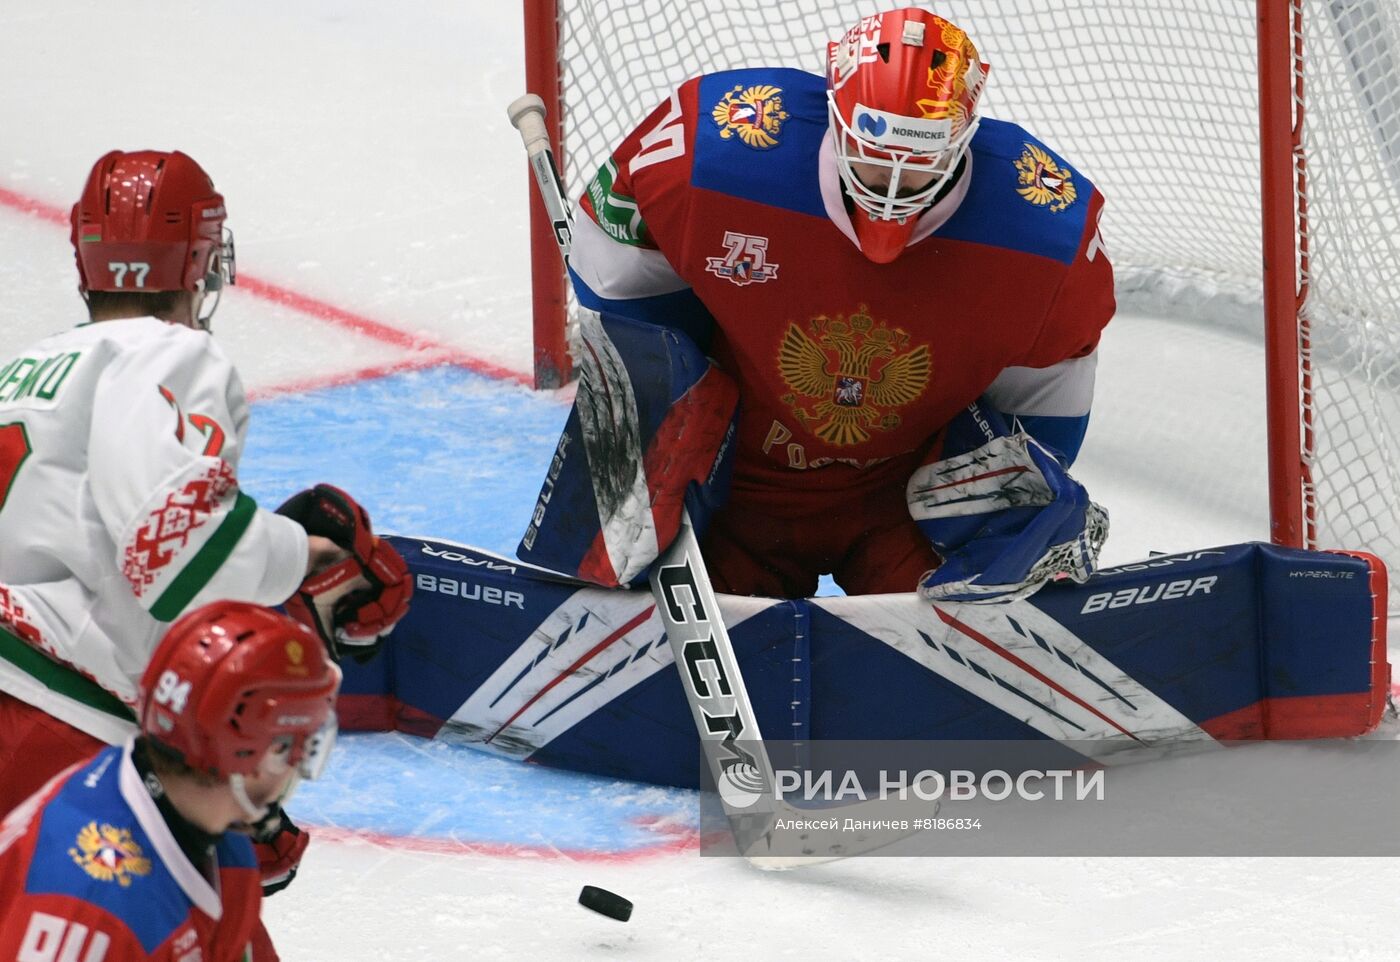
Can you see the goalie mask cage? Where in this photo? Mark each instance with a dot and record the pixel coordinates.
(1250, 155)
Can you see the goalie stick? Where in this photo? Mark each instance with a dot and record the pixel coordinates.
(527, 116)
(685, 601)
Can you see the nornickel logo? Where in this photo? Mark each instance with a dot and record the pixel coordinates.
(872, 125)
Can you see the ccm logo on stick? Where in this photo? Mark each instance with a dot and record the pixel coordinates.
(1147, 594)
(705, 672)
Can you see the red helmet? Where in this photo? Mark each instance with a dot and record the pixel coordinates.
(231, 680)
(151, 221)
(902, 91)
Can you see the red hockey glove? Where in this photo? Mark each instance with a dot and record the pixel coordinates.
(353, 622)
(279, 846)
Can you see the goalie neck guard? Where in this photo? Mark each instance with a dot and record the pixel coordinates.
(902, 91)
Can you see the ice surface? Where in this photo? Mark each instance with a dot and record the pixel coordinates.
(369, 167)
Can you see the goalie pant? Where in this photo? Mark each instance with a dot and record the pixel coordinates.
(992, 515)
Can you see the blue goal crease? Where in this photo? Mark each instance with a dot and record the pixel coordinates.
(408, 787)
(458, 456)
(441, 452)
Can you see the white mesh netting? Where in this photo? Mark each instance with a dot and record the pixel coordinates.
(1156, 101)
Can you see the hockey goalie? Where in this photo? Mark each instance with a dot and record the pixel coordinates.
(847, 325)
(856, 260)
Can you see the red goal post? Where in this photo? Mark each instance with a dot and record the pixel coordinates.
(1250, 154)
(549, 302)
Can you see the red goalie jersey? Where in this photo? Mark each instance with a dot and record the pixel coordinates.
(723, 215)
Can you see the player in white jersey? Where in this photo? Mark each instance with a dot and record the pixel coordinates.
(120, 507)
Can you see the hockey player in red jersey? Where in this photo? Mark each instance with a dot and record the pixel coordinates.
(120, 507)
(131, 855)
(907, 297)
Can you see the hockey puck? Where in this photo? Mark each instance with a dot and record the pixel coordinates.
(607, 903)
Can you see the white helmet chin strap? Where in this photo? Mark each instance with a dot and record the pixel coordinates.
(256, 813)
(240, 794)
(315, 751)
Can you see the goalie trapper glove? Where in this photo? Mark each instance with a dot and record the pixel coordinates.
(357, 623)
(1003, 512)
(279, 846)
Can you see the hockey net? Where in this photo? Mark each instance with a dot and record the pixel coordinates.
(1158, 101)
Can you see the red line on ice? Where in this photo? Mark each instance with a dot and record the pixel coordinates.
(687, 841)
(321, 311)
(28, 205)
(349, 377)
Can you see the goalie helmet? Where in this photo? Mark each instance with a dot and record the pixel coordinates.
(902, 90)
(152, 221)
(232, 680)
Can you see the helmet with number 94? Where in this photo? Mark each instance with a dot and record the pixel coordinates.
(152, 221)
(234, 684)
(902, 91)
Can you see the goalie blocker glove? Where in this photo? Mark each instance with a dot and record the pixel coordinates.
(357, 623)
(1003, 512)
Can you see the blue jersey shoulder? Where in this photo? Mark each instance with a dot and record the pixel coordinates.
(1023, 196)
(757, 134)
(91, 847)
(235, 851)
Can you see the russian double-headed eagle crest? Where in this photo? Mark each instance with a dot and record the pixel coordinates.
(109, 854)
(849, 375)
(755, 114)
(1044, 182)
